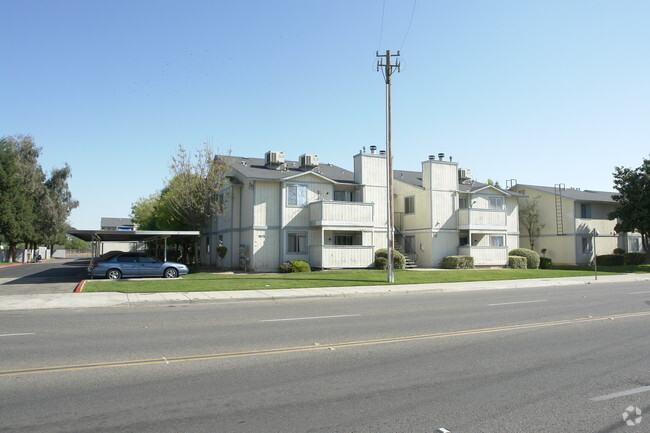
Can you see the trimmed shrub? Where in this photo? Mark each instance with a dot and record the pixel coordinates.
(399, 262)
(532, 258)
(381, 263)
(458, 262)
(517, 262)
(619, 251)
(299, 266)
(634, 258)
(610, 260)
(545, 263)
(294, 266)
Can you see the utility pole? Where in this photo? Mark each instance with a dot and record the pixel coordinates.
(387, 68)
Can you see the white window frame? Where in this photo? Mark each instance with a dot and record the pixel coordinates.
(299, 243)
(497, 199)
(297, 195)
(497, 241)
(348, 193)
(409, 209)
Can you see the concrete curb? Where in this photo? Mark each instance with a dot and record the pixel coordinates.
(113, 299)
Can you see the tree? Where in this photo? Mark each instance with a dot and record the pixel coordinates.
(633, 201)
(33, 209)
(192, 191)
(529, 219)
(20, 180)
(54, 207)
(493, 183)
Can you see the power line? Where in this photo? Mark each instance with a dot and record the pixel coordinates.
(409, 27)
(381, 31)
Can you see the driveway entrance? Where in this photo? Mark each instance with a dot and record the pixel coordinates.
(52, 276)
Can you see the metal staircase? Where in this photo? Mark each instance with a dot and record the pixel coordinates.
(408, 251)
(559, 220)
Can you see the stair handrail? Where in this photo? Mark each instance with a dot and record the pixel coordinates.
(408, 249)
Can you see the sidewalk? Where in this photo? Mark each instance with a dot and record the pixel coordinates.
(93, 300)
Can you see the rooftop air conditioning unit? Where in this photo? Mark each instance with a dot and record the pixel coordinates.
(464, 174)
(274, 157)
(309, 160)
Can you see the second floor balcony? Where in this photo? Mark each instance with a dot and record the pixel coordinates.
(341, 214)
(482, 219)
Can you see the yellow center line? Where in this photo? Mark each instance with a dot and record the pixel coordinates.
(324, 346)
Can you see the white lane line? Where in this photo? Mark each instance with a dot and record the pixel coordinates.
(520, 302)
(621, 394)
(637, 293)
(22, 333)
(311, 318)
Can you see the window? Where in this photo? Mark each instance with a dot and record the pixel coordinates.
(343, 195)
(296, 243)
(343, 239)
(585, 211)
(297, 195)
(496, 202)
(464, 241)
(635, 245)
(462, 202)
(496, 241)
(127, 258)
(409, 204)
(146, 259)
(586, 244)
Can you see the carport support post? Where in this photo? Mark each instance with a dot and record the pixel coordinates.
(165, 251)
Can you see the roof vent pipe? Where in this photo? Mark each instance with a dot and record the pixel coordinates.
(441, 156)
(373, 149)
(451, 158)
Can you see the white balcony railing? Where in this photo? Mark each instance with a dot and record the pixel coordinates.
(335, 256)
(341, 214)
(486, 256)
(484, 218)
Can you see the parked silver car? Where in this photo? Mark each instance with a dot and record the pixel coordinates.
(115, 265)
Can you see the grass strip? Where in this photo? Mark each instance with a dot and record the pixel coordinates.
(205, 281)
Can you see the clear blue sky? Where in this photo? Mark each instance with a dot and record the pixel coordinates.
(540, 91)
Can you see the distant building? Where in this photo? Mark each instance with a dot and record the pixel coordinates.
(569, 217)
(119, 224)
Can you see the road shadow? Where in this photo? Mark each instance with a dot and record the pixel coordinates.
(67, 272)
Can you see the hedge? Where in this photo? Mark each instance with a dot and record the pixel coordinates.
(532, 258)
(545, 263)
(294, 266)
(634, 258)
(381, 263)
(618, 251)
(458, 262)
(610, 260)
(399, 262)
(517, 262)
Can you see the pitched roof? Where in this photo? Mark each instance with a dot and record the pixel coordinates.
(574, 194)
(411, 177)
(255, 168)
(415, 178)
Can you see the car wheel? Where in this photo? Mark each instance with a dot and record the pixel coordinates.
(114, 274)
(171, 273)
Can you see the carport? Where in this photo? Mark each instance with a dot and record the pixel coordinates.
(97, 237)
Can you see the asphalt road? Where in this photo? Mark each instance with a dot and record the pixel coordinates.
(569, 359)
(50, 276)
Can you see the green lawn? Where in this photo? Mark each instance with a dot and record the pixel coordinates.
(204, 281)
